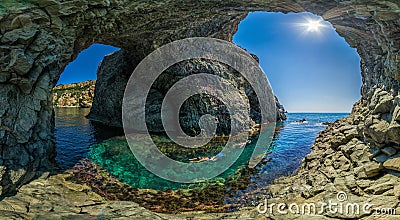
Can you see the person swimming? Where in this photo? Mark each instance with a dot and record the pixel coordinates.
(201, 159)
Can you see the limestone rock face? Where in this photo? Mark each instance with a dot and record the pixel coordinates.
(74, 95)
(38, 38)
(112, 76)
(114, 73)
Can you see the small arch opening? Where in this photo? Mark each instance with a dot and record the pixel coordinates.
(72, 100)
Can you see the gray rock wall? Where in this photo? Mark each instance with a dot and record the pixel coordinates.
(115, 70)
(112, 76)
(40, 37)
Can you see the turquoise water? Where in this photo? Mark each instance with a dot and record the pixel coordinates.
(115, 156)
(77, 138)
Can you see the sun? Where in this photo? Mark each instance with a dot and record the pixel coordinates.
(313, 25)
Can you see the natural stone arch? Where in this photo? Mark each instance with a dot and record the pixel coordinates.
(40, 37)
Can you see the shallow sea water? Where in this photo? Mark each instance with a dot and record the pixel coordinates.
(77, 138)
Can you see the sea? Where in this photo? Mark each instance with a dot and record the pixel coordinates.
(77, 138)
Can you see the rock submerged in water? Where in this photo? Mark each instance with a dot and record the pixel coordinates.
(208, 196)
(393, 164)
(301, 121)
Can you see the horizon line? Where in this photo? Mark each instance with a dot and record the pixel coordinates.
(318, 112)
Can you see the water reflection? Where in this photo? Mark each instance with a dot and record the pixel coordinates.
(74, 134)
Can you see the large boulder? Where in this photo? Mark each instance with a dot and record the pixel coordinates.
(115, 70)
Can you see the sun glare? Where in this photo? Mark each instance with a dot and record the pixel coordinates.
(313, 25)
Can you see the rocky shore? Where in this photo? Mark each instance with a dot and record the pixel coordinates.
(56, 197)
(341, 161)
(78, 95)
(357, 155)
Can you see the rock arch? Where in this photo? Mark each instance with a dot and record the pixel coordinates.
(39, 38)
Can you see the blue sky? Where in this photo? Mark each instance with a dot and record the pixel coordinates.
(309, 70)
(84, 67)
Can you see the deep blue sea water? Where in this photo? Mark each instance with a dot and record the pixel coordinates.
(74, 135)
(77, 138)
(292, 143)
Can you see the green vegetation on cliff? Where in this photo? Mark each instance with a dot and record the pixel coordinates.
(74, 95)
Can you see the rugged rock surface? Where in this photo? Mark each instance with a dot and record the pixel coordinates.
(74, 95)
(280, 111)
(350, 156)
(57, 198)
(112, 76)
(39, 37)
(115, 70)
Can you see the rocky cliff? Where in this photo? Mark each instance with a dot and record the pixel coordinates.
(40, 37)
(358, 155)
(115, 70)
(74, 95)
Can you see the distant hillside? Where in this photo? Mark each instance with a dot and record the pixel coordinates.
(78, 95)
